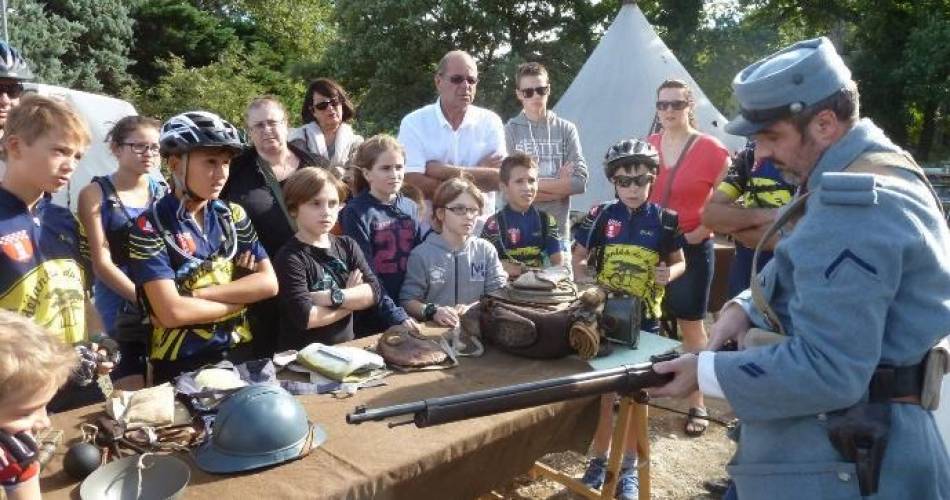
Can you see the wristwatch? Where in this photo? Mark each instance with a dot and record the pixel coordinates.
(336, 298)
(428, 312)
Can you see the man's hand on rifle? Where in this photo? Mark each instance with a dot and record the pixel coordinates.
(733, 323)
(684, 381)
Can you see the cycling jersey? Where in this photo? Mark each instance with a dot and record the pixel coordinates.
(626, 245)
(166, 243)
(755, 186)
(531, 237)
(45, 271)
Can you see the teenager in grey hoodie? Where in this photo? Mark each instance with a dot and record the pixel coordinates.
(451, 269)
(551, 140)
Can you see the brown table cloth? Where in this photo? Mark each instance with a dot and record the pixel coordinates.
(458, 460)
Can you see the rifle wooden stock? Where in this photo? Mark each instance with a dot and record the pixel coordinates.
(435, 411)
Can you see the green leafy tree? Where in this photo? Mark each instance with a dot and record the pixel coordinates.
(225, 86)
(165, 28)
(82, 44)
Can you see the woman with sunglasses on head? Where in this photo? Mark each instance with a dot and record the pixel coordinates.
(326, 132)
(257, 175)
(551, 140)
(108, 207)
(691, 166)
(449, 271)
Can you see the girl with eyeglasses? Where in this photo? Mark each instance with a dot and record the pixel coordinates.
(691, 166)
(323, 278)
(326, 132)
(452, 268)
(384, 222)
(108, 207)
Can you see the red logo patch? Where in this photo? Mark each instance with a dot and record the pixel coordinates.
(145, 225)
(613, 228)
(514, 235)
(186, 242)
(17, 246)
(492, 224)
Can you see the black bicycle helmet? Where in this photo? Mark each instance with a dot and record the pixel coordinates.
(198, 129)
(12, 64)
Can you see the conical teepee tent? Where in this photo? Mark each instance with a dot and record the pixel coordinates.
(613, 96)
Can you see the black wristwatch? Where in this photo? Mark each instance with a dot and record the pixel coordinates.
(336, 298)
(428, 312)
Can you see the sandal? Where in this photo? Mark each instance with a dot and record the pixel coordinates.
(696, 425)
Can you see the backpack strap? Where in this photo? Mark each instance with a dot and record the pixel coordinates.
(502, 232)
(596, 229)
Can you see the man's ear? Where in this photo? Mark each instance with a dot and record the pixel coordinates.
(827, 127)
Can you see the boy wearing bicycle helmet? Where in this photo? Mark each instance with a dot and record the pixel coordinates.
(196, 258)
(523, 235)
(630, 246)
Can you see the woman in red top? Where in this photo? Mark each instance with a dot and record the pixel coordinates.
(691, 166)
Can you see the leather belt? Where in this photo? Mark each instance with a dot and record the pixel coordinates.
(897, 383)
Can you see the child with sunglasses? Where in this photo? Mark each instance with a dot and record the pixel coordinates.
(324, 278)
(13, 72)
(552, 141)
(632, 246)
(523, 235)
(452, 268)
(382, 221)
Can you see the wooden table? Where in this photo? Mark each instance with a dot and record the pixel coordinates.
(459, 460)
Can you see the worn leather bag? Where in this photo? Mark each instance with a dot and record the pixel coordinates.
(532, 332)
(405, 349)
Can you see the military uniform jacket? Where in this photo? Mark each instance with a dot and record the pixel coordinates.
(863, 279)
(45, 270)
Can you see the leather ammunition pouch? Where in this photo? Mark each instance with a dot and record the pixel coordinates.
(860, 435)
(621, 320)
(407, 350)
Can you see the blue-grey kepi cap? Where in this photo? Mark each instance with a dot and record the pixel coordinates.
(785, 83)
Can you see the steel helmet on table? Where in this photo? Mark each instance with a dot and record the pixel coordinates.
(259, 426)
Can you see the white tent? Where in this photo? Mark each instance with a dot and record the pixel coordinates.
(100, 112)
(613, 96)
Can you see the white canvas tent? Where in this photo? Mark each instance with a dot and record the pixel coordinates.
(942, 415)
(613, 96)
(100, 112)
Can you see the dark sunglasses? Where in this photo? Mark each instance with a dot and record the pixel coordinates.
(323, 105)
(458, 79)
(676, 105)
(12, 90)
(528, 93)
(626, 180)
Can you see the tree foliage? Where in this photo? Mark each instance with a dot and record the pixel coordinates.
(82, 44)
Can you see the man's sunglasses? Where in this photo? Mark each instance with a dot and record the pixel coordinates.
(676, 105)
(458, 79)
(12, 90)
(528, 93)
(323, 105)
(461, 211)
(626, 180)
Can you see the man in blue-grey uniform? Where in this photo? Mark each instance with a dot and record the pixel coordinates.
(858, 291)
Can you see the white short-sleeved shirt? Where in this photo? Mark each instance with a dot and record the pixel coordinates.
(427, 135)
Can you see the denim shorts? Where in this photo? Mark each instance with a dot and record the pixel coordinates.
(687, 297)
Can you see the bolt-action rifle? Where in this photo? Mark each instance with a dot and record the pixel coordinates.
(626, 379)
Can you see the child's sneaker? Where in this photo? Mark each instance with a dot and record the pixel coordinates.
(628, 487)
(595, 473)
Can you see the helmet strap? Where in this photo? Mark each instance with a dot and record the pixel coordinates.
(182, 183)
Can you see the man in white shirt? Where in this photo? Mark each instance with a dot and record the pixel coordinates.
(452, 135)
